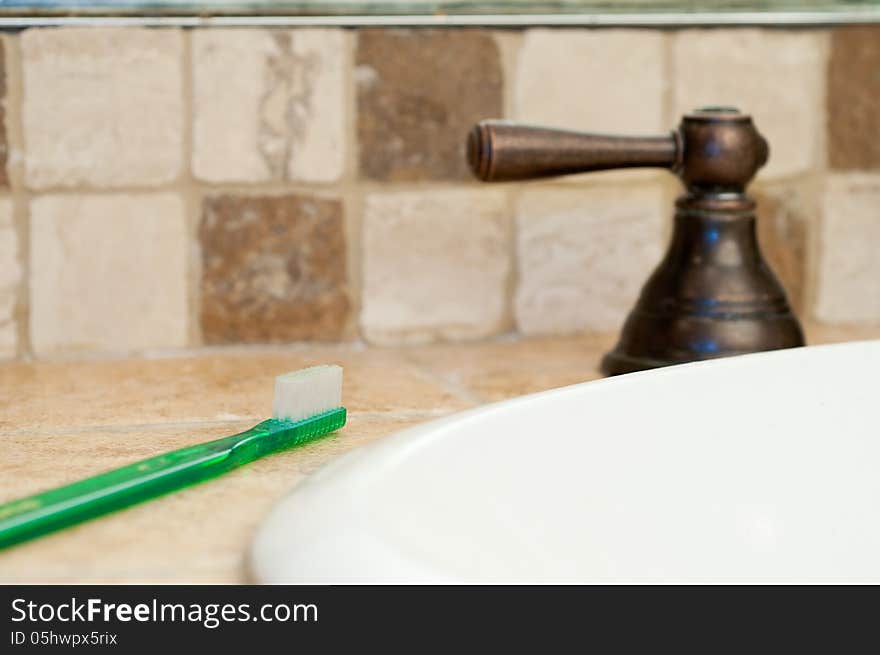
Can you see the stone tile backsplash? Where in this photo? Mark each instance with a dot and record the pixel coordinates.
(168, 188)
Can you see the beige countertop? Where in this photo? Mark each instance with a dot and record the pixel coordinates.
(62, 421)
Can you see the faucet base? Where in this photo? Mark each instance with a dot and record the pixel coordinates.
(739, 337)
(713, 295)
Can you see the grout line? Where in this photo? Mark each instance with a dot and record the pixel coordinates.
(353, 207)
(514, 275)
(509, 46)
(669, 70)
(17, 188)
(349, 189)
(406, 414)
(672, 186)
(191, 197)
(330, 189)
(126, 427)
(239, 423)
(196, 351)
(331, 348)
(446, 383)
(818, 180)
(352, 151)
(183, 178)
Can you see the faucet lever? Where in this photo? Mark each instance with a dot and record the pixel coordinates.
(714, 149)
(500, 151)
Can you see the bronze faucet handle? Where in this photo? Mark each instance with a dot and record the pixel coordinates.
(500, 151)
(714, 149)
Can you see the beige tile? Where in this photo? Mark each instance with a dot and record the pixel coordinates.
(499, 370)
(848, 277)
(595, 80)
(107, 273)
(102, 106)
(269, 105)
(198, 534)
(776, 76)
(211, 387)
(436, 265)
(583, 255)
(10, 276)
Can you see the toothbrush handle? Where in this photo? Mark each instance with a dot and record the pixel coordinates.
(51, 510)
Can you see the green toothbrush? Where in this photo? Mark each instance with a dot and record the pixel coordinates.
(307, 406)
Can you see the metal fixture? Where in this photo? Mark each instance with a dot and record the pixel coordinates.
(713, 295)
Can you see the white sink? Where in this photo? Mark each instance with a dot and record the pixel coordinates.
(763, 468)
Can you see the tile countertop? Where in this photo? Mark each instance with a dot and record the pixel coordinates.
(66, 420)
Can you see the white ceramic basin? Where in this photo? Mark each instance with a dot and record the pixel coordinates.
(753, 469)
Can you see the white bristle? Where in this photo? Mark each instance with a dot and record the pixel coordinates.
(302, 394)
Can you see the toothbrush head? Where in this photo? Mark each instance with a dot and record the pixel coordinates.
(308, 392)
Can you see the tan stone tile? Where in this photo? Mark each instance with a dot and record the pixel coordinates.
(849, 266)
(273, 269)
(48, 396)
(10, 276)
(593, 80)
(853, 89)
(198, 534)
(776, 76)
(584, 254)
(418, 93)
(107, 273)
(269, 105)
(102, 106)
(783, 225)
(505, 369)
(436, 265)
